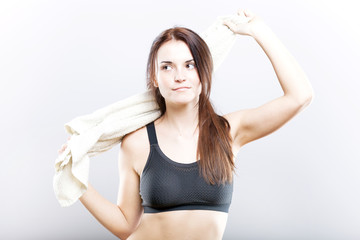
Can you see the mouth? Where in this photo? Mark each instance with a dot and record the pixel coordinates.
(181, 88)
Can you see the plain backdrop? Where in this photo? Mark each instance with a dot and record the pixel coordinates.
(62, 59)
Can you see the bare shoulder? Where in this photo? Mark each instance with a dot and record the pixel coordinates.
(134, 149)
(136, 139)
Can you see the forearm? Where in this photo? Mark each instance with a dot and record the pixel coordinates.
(106, 212)
(292, 78)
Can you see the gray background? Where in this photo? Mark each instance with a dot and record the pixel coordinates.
(62, 59)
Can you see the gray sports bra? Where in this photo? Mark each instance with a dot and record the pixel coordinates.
(166, 185)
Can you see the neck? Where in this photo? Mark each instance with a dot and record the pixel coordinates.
(183, 119)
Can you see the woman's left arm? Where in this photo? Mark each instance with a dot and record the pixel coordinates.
(251, 124)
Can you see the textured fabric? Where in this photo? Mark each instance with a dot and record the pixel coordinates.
(98, 132)
(166, 185)
(93, 134)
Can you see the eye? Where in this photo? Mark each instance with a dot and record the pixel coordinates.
(166, 67)
(190, 66)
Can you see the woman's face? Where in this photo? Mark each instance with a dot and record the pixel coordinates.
(176, 75)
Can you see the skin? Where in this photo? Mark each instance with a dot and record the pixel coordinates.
(177, 134)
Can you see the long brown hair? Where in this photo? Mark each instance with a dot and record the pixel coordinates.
(214, 143)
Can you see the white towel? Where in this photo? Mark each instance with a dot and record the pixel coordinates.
(98, 132)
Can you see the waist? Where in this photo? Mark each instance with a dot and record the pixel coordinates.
(185, 224)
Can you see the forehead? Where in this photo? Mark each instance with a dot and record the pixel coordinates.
(174, 51)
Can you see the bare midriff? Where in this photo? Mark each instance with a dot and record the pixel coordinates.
(181, 225)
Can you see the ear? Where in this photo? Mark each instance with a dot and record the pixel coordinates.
(155, 83)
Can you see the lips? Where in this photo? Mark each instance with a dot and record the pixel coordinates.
(180, 88)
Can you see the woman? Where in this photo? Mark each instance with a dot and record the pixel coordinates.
(182, 164)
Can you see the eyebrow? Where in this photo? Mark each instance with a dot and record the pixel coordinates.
(191, 60)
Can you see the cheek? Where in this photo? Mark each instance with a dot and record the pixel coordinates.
(163, 85)
(198, 84)
(199, 88)
(163, 79)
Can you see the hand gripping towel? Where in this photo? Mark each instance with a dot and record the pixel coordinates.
(101, 130)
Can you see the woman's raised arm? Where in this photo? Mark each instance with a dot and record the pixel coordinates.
(251, 124)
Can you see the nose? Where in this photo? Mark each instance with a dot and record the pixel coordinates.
(179, 76)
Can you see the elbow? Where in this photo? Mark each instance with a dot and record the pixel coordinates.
(128, 227)
(125, 232)
(303, 101)
(305, 98)
(303, 94)
(121, 231)
(310, 96)
(123, 235)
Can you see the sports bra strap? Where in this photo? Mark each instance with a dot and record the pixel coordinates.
(151, 133)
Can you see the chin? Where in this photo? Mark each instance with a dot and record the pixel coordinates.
(184, 100)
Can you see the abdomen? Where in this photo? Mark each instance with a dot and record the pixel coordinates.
(181, 225)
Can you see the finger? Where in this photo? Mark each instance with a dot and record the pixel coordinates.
(230, 24)
(248, 13)
(241, 12)
(62, 149)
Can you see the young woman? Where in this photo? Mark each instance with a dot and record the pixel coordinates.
(176, 173)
